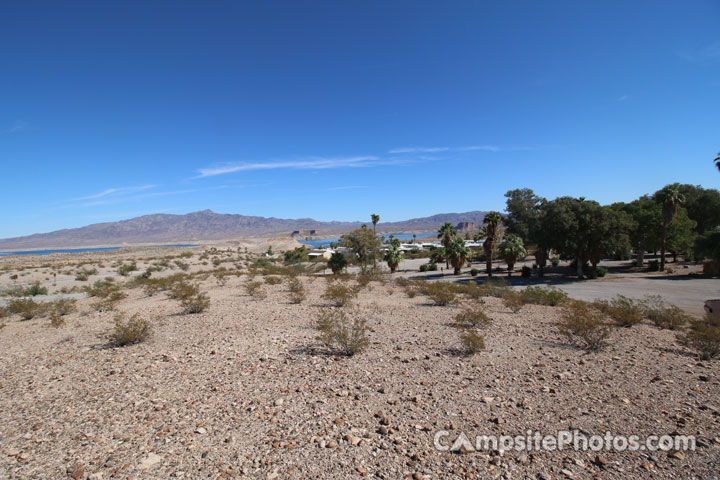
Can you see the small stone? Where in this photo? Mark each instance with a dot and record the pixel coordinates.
(76, 471)
(567, 473)
(201, 430)
(279, 402)
(677, 454)
(150, 460)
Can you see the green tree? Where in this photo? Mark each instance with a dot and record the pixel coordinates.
(681, 237)
(583, 230)
(393, 255)
(524, 210)
(670, 198)
(492, 223)
(511, 249)
(438, 255)
(364, 244)
(645, 229)
(458, 254)
(446, 234)
(296, 255)
(703, 206)
(337, 262)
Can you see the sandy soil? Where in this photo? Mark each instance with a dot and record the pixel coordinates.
(244, 390)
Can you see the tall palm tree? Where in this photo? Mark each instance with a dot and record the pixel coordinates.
(717, 161)
(446, 233)
(492, 221)
(374, 218)
(458, 254)
(511, 249)
(670, 197)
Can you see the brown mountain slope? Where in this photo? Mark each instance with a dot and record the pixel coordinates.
(208, 225)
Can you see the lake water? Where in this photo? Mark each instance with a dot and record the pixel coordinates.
(325, 242)
(78, 250)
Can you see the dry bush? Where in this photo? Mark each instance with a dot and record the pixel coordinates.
(255, 290)
(339, 294)
(108, 304)
(128, 332)
(441, 293)
(295, 284)
(624, 311)
(472, 342)
(494, 288)
(273, 280)
(197, 303)
(297, 297)
(473, 316)
(102, 288)
(364, 278)
(344, 331)
(513, 300)
(703, 336)
(663, 315)
(584, 325)
(26, 308)
(64, 306)
(154, 285)
(183, 289)
(402, 282)
(544, 296)
(56, 320)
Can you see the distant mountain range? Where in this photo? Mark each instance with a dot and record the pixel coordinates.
(208, 225)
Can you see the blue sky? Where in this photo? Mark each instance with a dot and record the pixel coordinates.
(335, 110)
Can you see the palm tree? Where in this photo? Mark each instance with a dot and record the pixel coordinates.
(446, 233)
(458, 254)
(670, 197)
(717, 161)
(374, 218)
(512, 249)
(492, 222)
(393, 255)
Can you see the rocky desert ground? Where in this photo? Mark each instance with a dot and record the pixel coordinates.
(244, 389)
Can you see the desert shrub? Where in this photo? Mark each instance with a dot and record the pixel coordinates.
(441, 293)
(183, 289)
(56, 320)
(513, 300)
(64, 306)
(182, 265)
(424, 267)
(186, 255)
(432, 267)
(526, 272)
(196, 303)
(584, 325)
(126, 268)
(703, 336)
(344, 331)
(297, 296)
(402, 282)
(624, 311)
(273, 280)
(672, 318)
(339, 294)
(495, 288)
(472, 342)
(26, 308)
(108, 303)
(102, 288)
(544, 296)
(35, 289)
(474, 272)
(364, 278)
(665, 316)
(555, 261)
(254, 289)
(154, 285)
(14, 291)
(473, 316)
(128, 332)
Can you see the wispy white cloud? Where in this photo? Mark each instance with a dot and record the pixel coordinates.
(17, 126)
(707, 54)
(312, 163)
(348, 187)
(115, 192)
(623, 98)
(487, 148)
